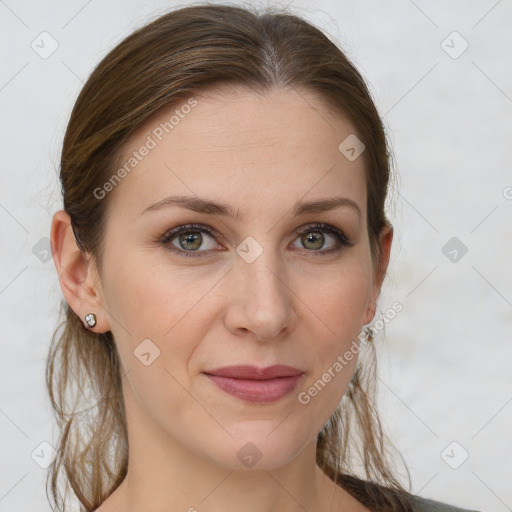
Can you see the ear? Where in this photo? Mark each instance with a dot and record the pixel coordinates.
(386, 238)
(78, 277)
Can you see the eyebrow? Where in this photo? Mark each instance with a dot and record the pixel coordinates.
(197, 204)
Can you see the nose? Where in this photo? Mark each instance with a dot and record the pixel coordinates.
(260, 298)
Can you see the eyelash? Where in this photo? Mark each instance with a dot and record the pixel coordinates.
(342, 239)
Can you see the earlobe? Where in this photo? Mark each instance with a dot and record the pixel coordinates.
(79, 284)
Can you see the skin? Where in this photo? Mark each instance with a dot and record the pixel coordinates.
(260, 154)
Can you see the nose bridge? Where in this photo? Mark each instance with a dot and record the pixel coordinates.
(266, 277)
(264, 301)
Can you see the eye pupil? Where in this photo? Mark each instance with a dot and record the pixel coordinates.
(314, 237)
(195, 238)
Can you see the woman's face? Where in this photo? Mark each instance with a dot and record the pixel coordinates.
(248, 284)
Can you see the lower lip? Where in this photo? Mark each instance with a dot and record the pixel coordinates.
(261, 391)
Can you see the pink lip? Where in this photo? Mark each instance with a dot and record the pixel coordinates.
(252, 372)
(255, 384)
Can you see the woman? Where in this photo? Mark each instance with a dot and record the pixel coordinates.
(221, 251)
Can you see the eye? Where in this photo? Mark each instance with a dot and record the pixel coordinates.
(314, 237)
(198, 240)
(188, 239)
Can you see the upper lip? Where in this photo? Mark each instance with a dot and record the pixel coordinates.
(253, 372)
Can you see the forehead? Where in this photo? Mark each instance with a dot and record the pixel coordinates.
(240, 145)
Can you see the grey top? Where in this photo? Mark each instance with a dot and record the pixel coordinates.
(428, 505)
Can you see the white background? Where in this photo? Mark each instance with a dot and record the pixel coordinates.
(445, 359)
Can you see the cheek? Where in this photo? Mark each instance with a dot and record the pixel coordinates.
(169, 306)
(341, 300)
(154, 320)
(340, 304)
(150, 299)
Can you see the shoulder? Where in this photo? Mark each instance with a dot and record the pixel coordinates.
(428, 505)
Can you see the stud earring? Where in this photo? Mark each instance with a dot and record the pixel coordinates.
(90, 320)
(368, 334)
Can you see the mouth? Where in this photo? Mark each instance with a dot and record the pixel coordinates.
(260, 385)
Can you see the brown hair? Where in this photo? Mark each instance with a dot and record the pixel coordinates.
(164, 63)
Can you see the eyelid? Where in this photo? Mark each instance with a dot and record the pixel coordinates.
(171, 233)
(321, 226)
